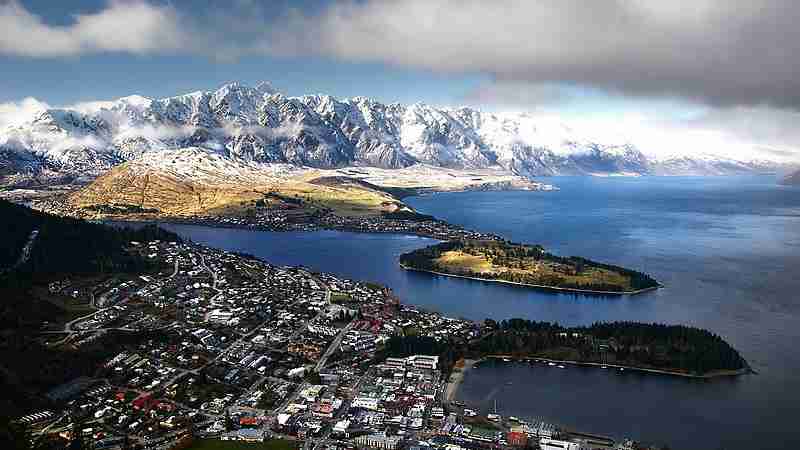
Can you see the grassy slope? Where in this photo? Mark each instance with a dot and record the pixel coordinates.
(456, 261)
(150, 193)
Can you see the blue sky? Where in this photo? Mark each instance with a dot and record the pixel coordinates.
(75, 78)
(725, 70)
(68, 79)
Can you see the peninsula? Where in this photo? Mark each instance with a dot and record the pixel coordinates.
(525, 265)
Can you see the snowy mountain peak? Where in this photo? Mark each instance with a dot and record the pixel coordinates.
(258, 124)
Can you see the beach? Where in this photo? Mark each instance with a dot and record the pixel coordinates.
(456, 378)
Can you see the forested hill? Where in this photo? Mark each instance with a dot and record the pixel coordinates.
(65, 245)
(61, 247)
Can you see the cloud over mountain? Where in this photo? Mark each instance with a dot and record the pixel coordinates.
(257, 124)
(713, 51)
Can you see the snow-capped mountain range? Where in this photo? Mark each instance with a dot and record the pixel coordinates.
(258, 124)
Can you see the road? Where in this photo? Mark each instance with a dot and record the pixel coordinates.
(26, 252)
(334, 346)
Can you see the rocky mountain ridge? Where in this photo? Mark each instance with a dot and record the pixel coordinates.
(258, 124)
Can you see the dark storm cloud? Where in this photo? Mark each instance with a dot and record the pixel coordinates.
(718, 51)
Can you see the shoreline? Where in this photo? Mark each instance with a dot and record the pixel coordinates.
(707, 376)
(537, 286)
(456, 379)
(307, 228)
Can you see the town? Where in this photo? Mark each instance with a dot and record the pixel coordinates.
(280, 217)
(222, 346)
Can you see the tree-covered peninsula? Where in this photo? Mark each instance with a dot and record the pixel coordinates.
(527, 265)
(675, 349)
(668, 349)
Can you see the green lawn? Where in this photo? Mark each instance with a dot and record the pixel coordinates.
(214, 444)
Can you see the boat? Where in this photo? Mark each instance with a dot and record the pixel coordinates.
(560, 366)
(551, 364)
(603, 367)
(506, 360)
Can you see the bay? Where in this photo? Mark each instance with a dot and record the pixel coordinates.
(727, 250)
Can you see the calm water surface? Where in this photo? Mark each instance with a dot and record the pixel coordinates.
(727, 249)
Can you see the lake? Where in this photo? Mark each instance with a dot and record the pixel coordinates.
(727, 250)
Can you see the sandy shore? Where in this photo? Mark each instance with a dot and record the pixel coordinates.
(456, 378)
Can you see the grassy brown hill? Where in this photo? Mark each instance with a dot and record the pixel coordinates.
(195, 183)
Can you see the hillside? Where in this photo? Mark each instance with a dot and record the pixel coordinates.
(194, 182)
(59, 246)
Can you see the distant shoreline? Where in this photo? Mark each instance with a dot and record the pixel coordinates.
(710, 375)
(537, 286)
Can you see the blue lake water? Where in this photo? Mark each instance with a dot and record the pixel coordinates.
(727, 250)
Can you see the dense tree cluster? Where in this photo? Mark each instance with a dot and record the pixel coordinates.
(657, 346)
(518, 256)
(670, 347)
(70, 245)
(63, 247)
(403, 346)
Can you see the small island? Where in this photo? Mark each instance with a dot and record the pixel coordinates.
(525, 265)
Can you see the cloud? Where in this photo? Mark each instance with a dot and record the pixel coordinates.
(739, 133)
(131, 26)
(710, 51)
(14, 113)
(714, 51)
(517, 94)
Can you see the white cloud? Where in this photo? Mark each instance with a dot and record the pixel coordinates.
(660, 127)
(90, 107)
(713, 51)
(133, 26)
(743, 134)
(14, 113)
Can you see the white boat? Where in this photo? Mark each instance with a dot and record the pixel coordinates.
(561, 366)
(551, 364)
(603, 367)
(506, 360)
